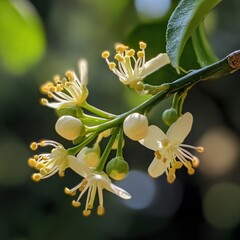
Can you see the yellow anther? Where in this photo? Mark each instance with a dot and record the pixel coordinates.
(43, 171)
(49, 94)
(31, 162)
(67, 191)
(90, 206)
(171, 178)
(191, 171)
(70, 75)
(61, 173)
(36, 157)
(130, 53)
(195, 162)
(200, 149)
(36, 177)
(120, 47)
(56, 79)
(34, 146)
(42, 143)
(76, 203)
(86, 213)
(142, 45)
(119, 57)
(43, 101)
(100, 210)
(178, 165)
(140, 54)
(105, 54)
(111, 65)
(39, 165)
(188, 164)
(52, 89)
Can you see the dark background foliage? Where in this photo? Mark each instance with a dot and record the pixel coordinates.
(203, 206)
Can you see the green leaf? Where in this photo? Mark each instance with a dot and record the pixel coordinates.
(22, 41)
(203, 50)
(182, 23)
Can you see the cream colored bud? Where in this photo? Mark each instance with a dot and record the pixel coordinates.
(69, 127)
(135, 126)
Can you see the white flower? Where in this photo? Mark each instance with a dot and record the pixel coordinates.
(93, 183)
(70, 91)
(49, 163)
(69, 127)
(170, 153)
(132, 69)
(135, 126)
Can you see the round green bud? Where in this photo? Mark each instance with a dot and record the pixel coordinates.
(117, 168)
(169, 116)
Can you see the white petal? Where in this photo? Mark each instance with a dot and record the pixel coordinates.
(157, 167)
(83, 68)
(154, 135)
(179, 130)
(78, 166)
(154, 64)
(117, 190)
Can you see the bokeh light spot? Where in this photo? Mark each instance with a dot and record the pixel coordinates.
(141, 187)
(221, 149)
(152, 8)
(221, 205)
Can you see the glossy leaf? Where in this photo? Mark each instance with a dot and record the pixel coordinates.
(203, 50)
(183, 22)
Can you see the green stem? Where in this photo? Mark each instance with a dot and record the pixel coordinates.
(74, 150)
(98, 111)
(120, 143)
(107, 150)
(223, 67)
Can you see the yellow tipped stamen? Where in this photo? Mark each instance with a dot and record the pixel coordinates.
(90, 206)
(111, 65)
(142, 45)
(42, 143)
(32, 162)
(70, 75)
(130, 53)
(195, 162)
(56, 79)
(191, 171)
(67, 191)
(105, 54)
(86, 213)
(43, 171)
(100, 210)
(171, 178)
(178, 165)
(140, 54)
(200, 149)
(34, 146)
(43, 101)
(76, 203)
(61, 173)
(120, 48)
(119, 57)
(39, 165)
(36, 177)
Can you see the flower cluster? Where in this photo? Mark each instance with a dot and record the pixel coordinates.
(82, 129)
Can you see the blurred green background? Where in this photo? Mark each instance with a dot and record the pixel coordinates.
(41, 38)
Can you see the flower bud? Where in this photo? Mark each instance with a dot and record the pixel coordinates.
(170, 116)
(90, 156)
(117, 168)
(69, 127)
(135, 126)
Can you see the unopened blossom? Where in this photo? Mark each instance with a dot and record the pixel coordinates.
(94, 182)
(69, 91)
(135, 126)
(48, 163)
(132, 67)
(170, 152)
(69, 127)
